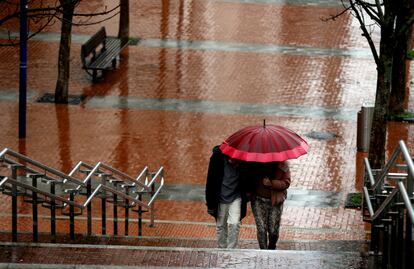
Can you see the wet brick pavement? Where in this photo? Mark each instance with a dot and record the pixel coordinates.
(203, 69)
(175, 257)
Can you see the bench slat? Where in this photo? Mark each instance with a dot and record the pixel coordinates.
(104, 57)
(104, 60)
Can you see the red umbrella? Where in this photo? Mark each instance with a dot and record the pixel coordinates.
(264, 143)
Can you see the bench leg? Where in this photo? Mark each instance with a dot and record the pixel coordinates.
(95, 75)
(114, 63)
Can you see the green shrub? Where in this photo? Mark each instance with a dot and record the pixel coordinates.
(410, 54)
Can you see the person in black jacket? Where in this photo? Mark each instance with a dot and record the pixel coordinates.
(225, 197)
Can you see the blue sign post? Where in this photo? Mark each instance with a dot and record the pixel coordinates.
(23, 69)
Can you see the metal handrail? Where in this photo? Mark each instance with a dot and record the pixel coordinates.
(145, 186)
(385, 204)
(369, 172)
(159, 172)
(129, 178)
(387, 167)
(45, 193)
(11, 162)
(116, 171)
(3, 181)
(401, 148)
(141, 185)
(407, 157)
(123, 195)
(39, 165)
(135, 200)
(89, 176)
(161, 184)
(66, 201)
(96, 170)
(406, 200)
(144, 172)
(392, 219)
(368, 201)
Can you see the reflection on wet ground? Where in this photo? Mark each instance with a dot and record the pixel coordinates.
(256, 48)
(201, 70)
(296, 197)
(124, 102)
(289, 2)
(218, 46)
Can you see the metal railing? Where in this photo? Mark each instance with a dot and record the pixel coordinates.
(388, 205)
(40, 184)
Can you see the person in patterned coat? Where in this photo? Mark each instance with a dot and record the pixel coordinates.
(270, 182)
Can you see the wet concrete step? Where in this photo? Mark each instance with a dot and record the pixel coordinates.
(154, 241)
(24, 255)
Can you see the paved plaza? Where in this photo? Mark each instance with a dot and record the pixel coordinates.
(201, 70)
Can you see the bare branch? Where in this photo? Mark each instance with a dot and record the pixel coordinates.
(106, 12)
(365, 32)
(334, 17)
(379, 8)
(372, 13)
(91, 23)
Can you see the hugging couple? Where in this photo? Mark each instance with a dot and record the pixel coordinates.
(232, 183)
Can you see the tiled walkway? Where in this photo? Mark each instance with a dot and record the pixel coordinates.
(202, 70)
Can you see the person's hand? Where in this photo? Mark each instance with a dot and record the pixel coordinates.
(212, 212)
(267, 182)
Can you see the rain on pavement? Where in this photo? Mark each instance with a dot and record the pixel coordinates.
(201, 70)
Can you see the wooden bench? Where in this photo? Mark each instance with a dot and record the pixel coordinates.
(99, 53)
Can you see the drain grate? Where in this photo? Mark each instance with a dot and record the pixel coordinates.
(72, 99)
(322, 135)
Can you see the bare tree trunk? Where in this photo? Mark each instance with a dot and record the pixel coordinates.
(62, 84)
(384, 70)
(399, 72)
(123, 31)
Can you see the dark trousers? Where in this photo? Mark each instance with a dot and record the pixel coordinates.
(267, 219)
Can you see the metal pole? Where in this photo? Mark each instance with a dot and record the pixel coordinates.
(103, 210)
(23, 69)
(72, 217)
(408, 224)
(53, 213)
(34, 210)
(115, 214)
(89, 207)
(152, 213)
(14, 205)
(140, 217)
(126, 212)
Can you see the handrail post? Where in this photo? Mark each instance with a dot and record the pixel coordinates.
(152, 207)
(115, 212)
(386, 248)
(394, 236)
(34, 208)
(53, 212)
(72, 216)
(400, 238)
(89, 207)
(126, 212)
(140, 216)
(408, 223)
(14, 203)
(374, 244)
(103, 203)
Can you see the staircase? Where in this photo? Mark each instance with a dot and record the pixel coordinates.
(81, 199)
(112, 256)
(29, 182)
(388, 197)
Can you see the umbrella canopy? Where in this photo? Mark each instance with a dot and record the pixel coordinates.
(264, 143)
